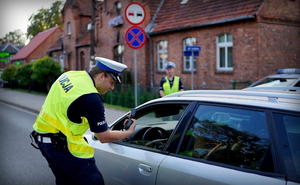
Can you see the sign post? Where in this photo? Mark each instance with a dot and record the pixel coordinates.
(135, 36)
(192, 51)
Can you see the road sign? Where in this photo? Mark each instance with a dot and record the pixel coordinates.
(135, 37)
(135, 13)
(4, 54)
(192, 50)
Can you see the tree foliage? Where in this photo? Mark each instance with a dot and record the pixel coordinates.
(10, 74)
(44, 19)
(45, 70)
(24, 73)
(17, 37)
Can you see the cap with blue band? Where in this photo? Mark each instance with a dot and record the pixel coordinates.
(112, 67)
(170, 65)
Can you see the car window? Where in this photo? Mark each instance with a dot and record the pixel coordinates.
(231, 136)
(291, 124)
(155, 123)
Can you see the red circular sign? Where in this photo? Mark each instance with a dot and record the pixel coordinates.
(135, 37)
(135, 13)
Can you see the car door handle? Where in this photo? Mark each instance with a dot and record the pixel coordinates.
(145, 169)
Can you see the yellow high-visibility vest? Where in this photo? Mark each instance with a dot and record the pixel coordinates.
(175, 87)
(53, 115)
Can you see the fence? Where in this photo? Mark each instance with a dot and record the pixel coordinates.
(123, 95)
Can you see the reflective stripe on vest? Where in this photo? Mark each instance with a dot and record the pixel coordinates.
(53, 115)
(175, 87)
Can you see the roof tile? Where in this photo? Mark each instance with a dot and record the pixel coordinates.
(197, 12)
(34, 43)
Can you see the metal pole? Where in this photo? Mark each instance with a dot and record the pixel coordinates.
(192, 65)
(92, 52)
(135, 79)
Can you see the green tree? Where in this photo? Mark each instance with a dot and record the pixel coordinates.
(10, 74)
(17, 37)
(45, 70)
(45, 19)
(24, 73)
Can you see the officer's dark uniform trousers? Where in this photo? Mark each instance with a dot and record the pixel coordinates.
(67, 168)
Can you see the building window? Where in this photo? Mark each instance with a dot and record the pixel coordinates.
(162, 54)
(187, 60)
(224, 52)
(69, 31)
(117, 7)
(118, 53)
(62, 62)
(82, 62)
(89, 25)
(54, 57)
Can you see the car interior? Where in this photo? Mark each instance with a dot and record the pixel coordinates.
(229, 136)
(154, 125)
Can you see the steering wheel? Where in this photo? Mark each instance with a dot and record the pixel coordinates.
(155, 133)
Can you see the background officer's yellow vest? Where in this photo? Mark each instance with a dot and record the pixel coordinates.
(53, 115)
(175, 86)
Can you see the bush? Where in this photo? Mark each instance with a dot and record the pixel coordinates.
(24, 73)
(121, 98)
(9, 74)
(129, 100)
(46, 70)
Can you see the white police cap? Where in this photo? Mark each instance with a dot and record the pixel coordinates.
(170, 65)
(112, 67)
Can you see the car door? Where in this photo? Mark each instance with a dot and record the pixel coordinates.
(136, 159)
(223, 145)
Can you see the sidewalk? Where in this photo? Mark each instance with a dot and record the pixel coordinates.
(33, 103)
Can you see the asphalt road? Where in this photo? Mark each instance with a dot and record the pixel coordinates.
(20, 163)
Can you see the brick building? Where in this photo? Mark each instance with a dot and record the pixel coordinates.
(241, 40)
(38, 46)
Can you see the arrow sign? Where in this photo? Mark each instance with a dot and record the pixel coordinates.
(135, 37)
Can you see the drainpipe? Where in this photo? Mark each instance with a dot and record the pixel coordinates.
(92, 51)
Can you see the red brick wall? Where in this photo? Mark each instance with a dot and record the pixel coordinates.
(41, 50)
(259, 46)
(258, 50)
(108, 40)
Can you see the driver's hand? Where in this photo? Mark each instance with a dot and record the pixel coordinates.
(132, 126)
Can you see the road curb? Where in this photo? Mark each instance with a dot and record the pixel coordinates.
(20, 106)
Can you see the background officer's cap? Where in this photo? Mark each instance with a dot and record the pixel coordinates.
(170, 65)
(112, 67)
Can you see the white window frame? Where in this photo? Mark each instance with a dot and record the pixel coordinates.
(162, 55)
(69, 29)
(224, 45)
(119, 53)
(189, 41)
(62, 62)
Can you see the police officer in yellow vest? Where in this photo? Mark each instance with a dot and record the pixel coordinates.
(170, 83)
(73, 105)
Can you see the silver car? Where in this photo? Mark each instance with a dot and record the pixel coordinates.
(207, 137)
(284, 80)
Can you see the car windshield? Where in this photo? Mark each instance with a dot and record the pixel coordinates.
(279, 82)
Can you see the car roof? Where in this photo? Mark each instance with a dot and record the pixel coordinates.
(264, 99)
(283, 76)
